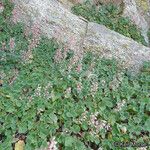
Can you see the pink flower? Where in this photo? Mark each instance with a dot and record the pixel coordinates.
(72, 42)
(67, 92)
(1, 7)
(58, 33)
(52, 144)
(73, 61)
(12, 43)
(94, 88)
(16, 15)
(79, 87)
(36, 31)
(79, 67)
(33, 43)
(58, 56)
(27, 31)
(120, 105)
(3, 45)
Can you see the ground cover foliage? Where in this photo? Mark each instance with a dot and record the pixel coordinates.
(46, 103)
(109, 15)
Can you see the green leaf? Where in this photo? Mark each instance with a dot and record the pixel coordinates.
(80, 145)
(69, 114)
(84, 125)
(53, 117)
(69, 141)
(75, 128)
(147, 125)
(22, 128)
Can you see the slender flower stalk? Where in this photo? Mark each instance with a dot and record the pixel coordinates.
(12, 43)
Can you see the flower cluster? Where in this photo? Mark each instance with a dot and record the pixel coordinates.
(98, 124)
(95, 123)
(58, 56)
(83, 117)
(12, 43)
(37, 92)
(26, 31)
(52, 144)
(16, 15)
(103, 83)
(115, 83)
(79, 67)
(67, 92)
(1, 7)
(120, 105)
(74, 60)
(94, 88)
(43, 91)
(33, 43)
(47, 94)
(100, 148)
(36, 30)
(3, 46)
(79, 87)
(27, 56)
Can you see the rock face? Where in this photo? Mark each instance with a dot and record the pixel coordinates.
(137, 10)
(117, 2)
(53, 20)
(96, 2)
(57, 22)
(109, 44)
(137, 16)
(143, 7)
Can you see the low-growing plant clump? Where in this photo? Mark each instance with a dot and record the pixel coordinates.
(110, 16)
(46, 103)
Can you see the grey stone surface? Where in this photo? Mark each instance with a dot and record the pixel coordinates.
(109, 44)
(55, 21)
(137, 15)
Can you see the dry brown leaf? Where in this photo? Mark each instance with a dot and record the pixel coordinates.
(19, 145)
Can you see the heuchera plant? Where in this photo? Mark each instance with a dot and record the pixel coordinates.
(48, 104)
